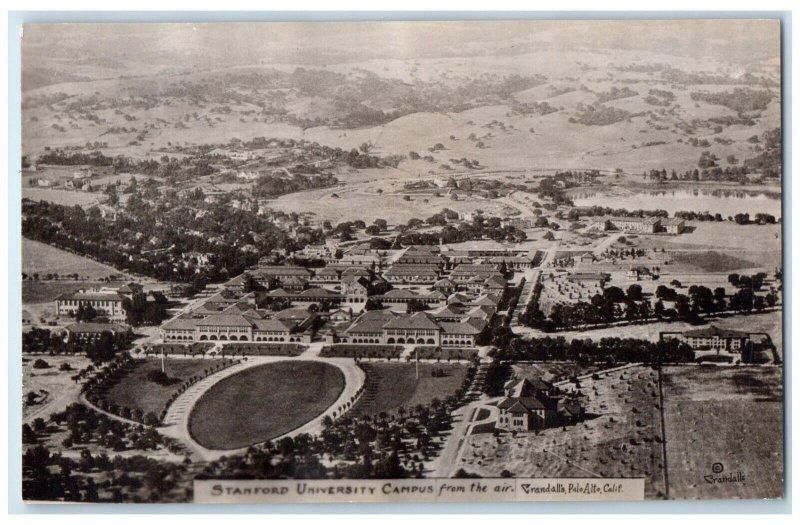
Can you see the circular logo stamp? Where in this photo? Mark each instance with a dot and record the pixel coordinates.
(717, 468)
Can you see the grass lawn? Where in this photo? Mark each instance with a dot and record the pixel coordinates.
(264, 402)
(727, 415)
(392, 385)
(136, 391)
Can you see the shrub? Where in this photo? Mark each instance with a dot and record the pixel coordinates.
(161, 378)
(41, 363)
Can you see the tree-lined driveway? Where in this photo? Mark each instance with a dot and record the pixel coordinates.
(176, 421)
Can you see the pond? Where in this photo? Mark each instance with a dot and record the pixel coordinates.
(727, 202)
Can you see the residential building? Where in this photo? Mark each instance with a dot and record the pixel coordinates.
(626, 224)
(535, 405)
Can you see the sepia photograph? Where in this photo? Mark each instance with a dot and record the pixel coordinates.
(402, 261)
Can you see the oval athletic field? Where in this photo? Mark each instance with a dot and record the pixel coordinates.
(264, 402)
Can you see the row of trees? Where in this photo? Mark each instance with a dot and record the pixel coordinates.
(608, 350)
(615, 305)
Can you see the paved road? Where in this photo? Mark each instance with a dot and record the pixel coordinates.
(532, 276)
(606, 243)
(59, 402)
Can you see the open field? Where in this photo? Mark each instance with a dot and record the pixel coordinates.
(36, 292)
(41, 258)
(553, 372)
(54, 388)
(727, 415)
(390, 386)
(263, 402)
(619, 438)
(136, 390)
(363, 202)
(64, 197)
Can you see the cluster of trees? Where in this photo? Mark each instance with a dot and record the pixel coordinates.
(103, 348)
(660, 97)
(533, 108)
(740, 218)
(602, 309)
(60, 157)
(623, 253)
(741, 100)
(616, 93)
(139, 311)
(769, 159)
(760, 218)
(553, 188)
(55, 477)
(151, 238)
(600, 115)
(86, 426)
(708, 170)
(701, 300)
(271, 186)
(480, 228)
(755, 281)
(175, 169)
(602, 211)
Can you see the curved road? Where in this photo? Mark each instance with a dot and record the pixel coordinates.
(176, 422)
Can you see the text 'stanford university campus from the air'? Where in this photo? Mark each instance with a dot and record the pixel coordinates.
(435, 264)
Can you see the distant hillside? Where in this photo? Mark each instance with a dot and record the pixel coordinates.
(509, 111)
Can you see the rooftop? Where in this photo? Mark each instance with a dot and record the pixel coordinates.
(714, 331)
